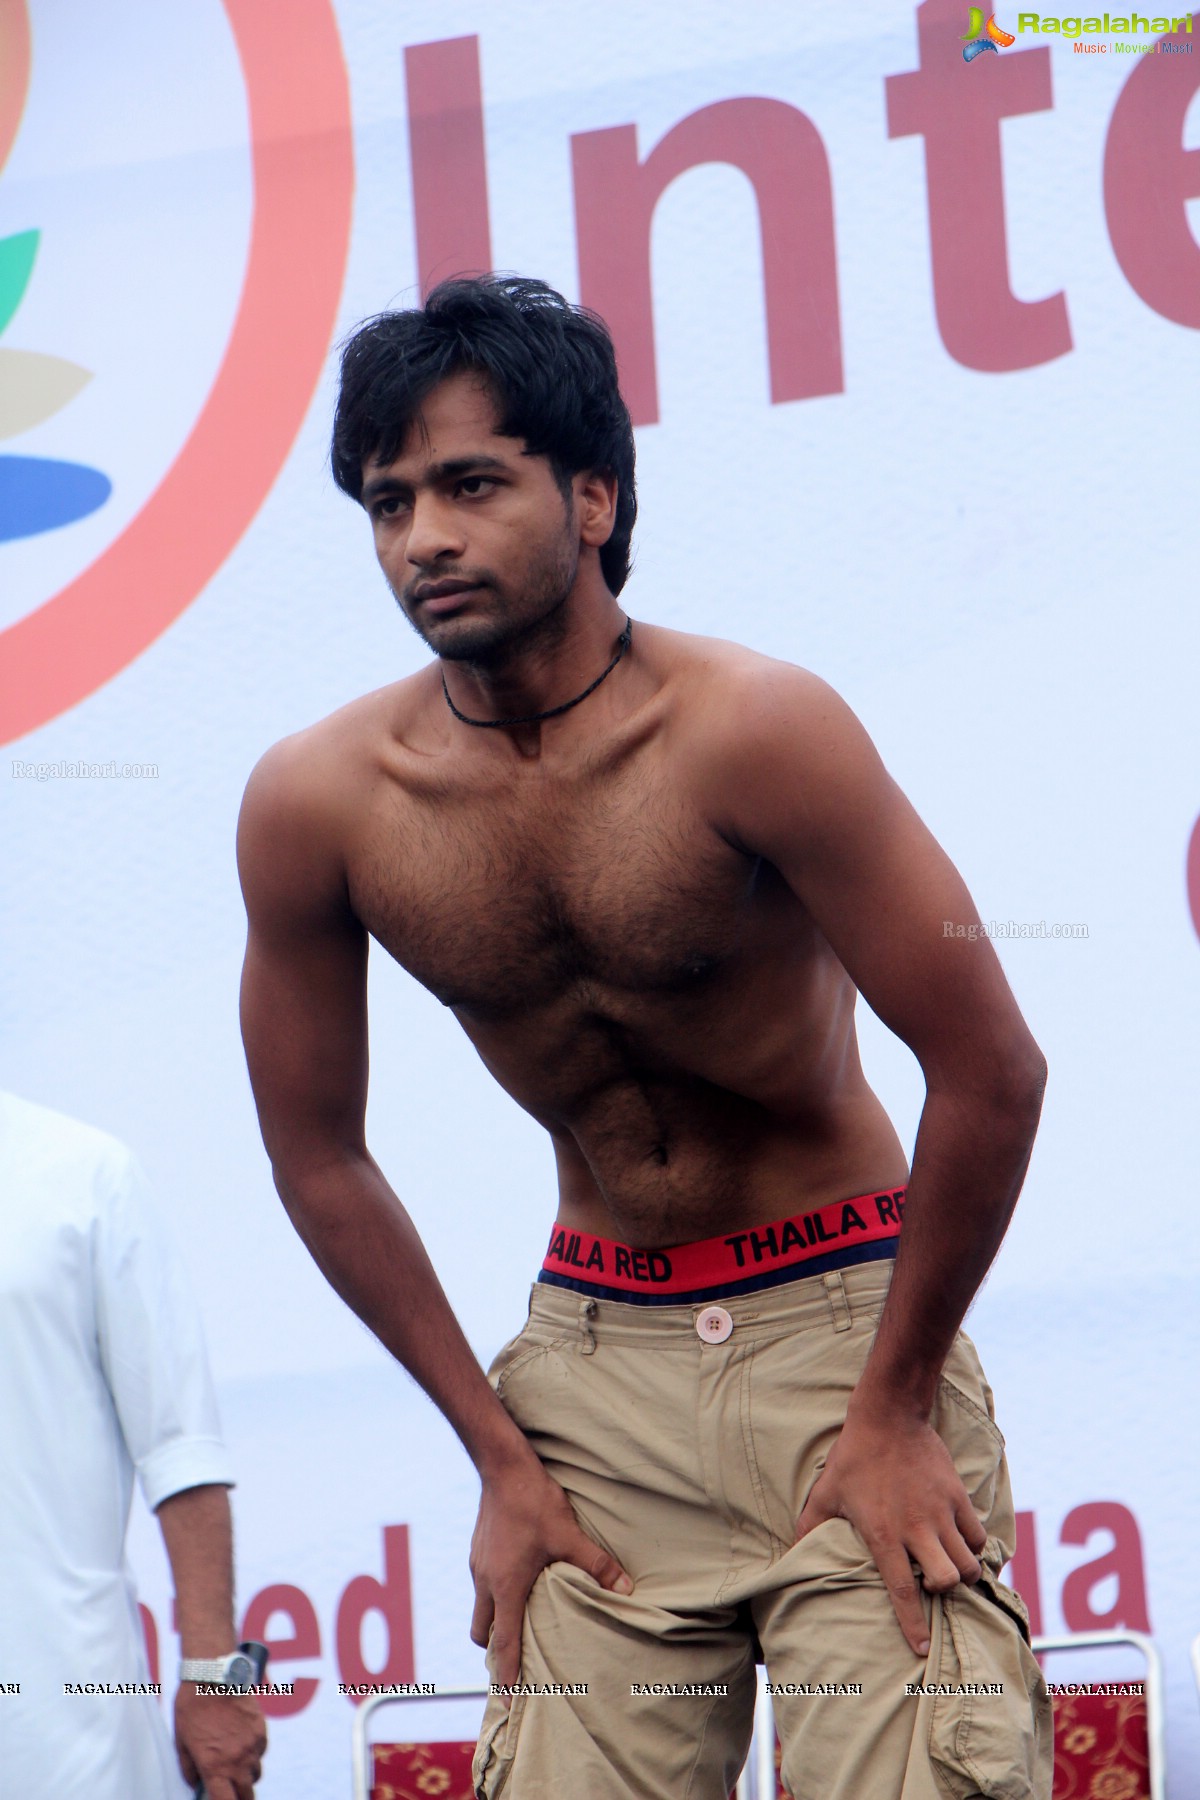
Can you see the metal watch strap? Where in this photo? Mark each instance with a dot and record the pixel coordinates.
(211, 1668)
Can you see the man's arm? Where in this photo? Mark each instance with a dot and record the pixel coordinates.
(220, 1738)
(151, 1350)
(304, 1023)
(813, 797)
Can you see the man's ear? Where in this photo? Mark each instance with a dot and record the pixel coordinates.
(596, 491)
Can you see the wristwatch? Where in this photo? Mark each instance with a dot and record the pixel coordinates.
(237, 1670)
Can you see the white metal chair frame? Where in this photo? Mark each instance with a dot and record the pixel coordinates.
(1101, 1640)
(361, 1743)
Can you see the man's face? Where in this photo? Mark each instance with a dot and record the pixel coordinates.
(476, 539)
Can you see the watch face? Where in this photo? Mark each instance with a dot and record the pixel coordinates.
(240, 1673)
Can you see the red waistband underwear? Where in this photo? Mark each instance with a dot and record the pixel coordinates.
(863, 1229)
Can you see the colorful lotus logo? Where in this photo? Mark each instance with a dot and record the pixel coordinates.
(155, 564)
(993, 39)
(35, 493)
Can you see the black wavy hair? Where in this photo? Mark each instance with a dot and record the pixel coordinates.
(550, 365)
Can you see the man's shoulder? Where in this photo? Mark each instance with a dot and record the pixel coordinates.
(729, 690)
(775, 751)
(36, 1141)
(314, 772)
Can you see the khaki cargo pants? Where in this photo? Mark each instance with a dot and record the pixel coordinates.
(690, 1461)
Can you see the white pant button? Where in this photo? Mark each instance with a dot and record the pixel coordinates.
(714, 1324)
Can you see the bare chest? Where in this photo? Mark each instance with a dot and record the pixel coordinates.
(502, 902)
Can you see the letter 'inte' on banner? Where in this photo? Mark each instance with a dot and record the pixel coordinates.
(1148, 179)
(982, 323)
(449, 159)
(781, 153)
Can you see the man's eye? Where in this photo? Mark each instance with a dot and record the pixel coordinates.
(475, 485)
(388, 507)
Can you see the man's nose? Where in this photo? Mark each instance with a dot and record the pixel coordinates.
(435, 533)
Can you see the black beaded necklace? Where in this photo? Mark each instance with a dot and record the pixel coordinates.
(623, 643)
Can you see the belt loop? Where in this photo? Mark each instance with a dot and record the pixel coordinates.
(839, 1303)
(587, 1312)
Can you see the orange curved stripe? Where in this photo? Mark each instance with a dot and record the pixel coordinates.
(1003, 38)
(15, 58)
(299, 104)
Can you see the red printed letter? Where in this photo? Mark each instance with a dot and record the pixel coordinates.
(449, 163)
(1124, 1560)
(1023, 1572)
(957, 107)
(782, 154)
(1148, 178)
(150, 1635)
(305, 1640)
(393, 1598)
(1193, 875)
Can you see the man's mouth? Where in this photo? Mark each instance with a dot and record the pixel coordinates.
(437, 597)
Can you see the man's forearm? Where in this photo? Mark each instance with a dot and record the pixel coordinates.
(220, 1738)
(198, 1534)
(968, 1166)
(368, 1249)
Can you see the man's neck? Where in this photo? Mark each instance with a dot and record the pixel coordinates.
(547, 674)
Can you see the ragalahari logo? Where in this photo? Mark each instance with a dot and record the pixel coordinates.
(992, 39)
(36, 493)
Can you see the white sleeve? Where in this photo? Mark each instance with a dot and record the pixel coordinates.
(151, 1341)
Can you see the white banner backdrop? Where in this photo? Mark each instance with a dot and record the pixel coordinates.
(936, 445)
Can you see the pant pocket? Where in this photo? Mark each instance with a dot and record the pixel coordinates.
(962, 1418)
(991, 1730)
(496, 1750)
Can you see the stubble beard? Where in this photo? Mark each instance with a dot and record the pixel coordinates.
(532, 616)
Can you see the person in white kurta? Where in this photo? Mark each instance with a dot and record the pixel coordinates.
(103, 1373)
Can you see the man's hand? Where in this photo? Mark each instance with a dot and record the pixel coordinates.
(894, 1480)
(525, 1521)
(220, 1740)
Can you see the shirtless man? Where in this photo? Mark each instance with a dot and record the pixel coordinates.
(648, 873)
